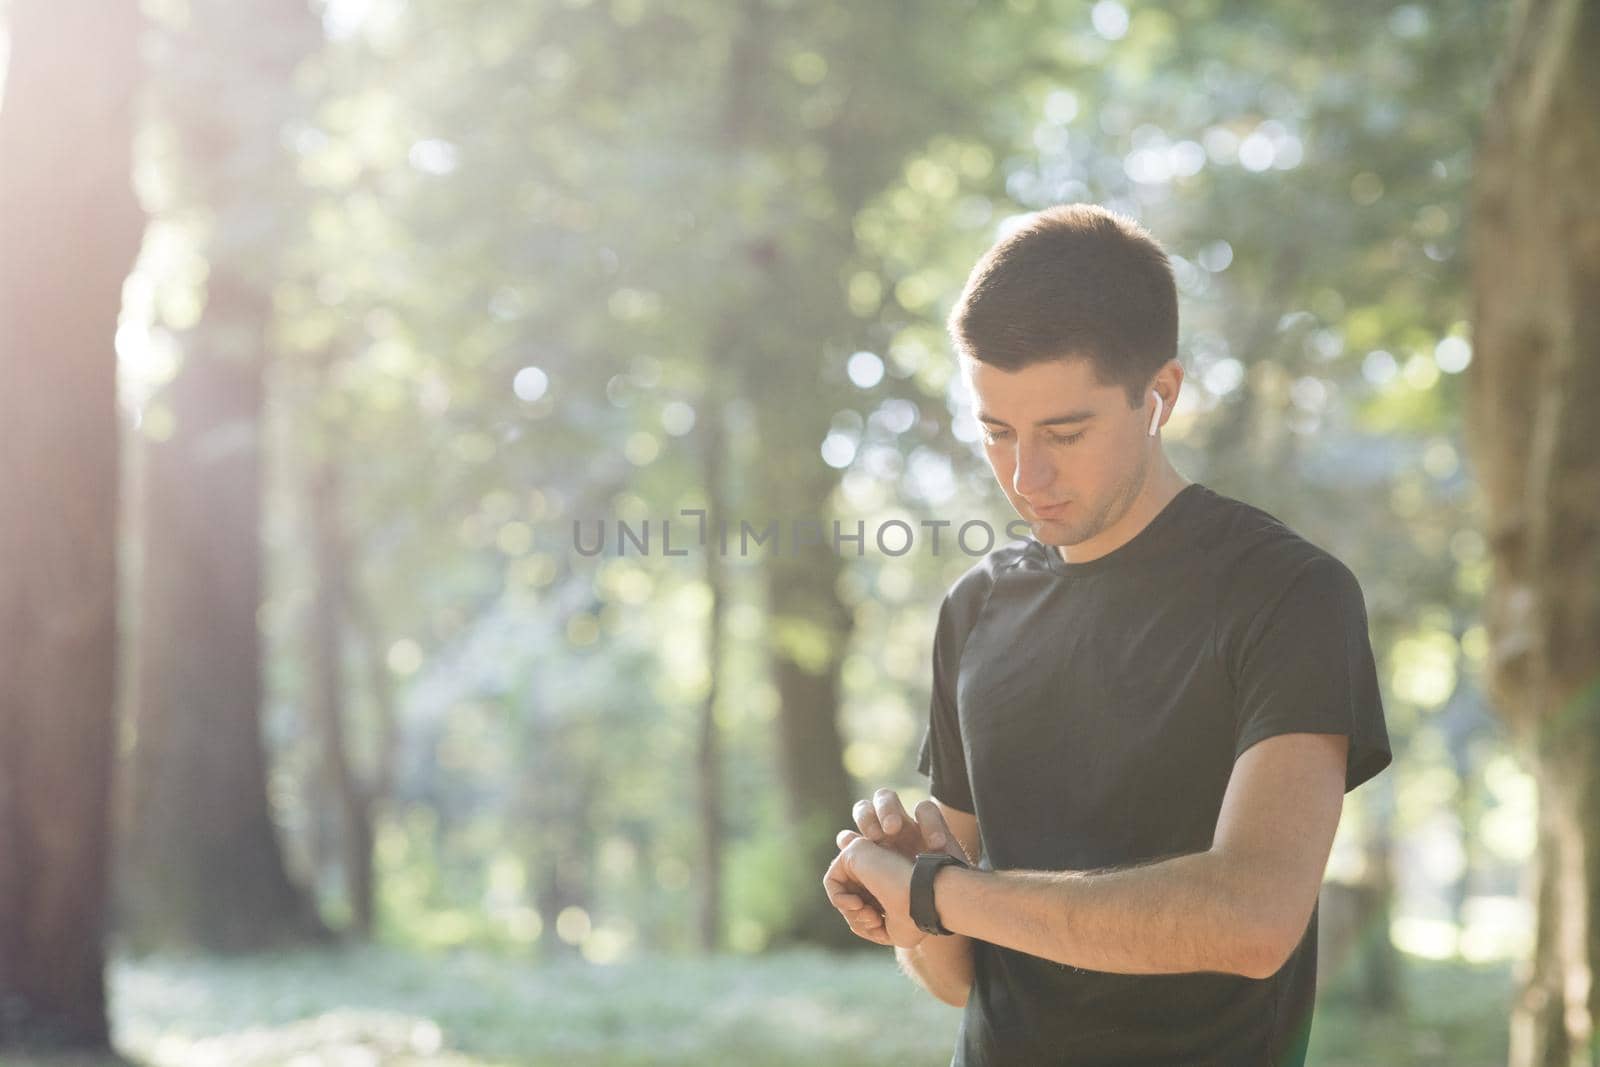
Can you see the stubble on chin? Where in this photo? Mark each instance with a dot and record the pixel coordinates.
(1056, 533)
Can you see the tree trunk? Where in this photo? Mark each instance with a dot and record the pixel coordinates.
(1534, 384)
(563, 803)
(708, 754)
(811, 629)
(352, 828)
(809, 625)
(70, 227)
(1381, 989)
(363, 620)
(204, 866)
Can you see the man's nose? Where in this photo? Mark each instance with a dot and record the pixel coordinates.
(1032, 472)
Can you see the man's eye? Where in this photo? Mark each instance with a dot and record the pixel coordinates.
(1069, 439)
(992, 436)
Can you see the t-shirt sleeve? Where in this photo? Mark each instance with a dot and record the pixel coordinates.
(941, 757)
(1305, 665)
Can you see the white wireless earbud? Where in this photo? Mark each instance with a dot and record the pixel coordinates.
(1155, 421)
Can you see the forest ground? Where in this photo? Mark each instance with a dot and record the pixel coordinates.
(387, 1007)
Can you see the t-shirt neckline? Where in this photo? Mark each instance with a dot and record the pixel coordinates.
(1149, 541)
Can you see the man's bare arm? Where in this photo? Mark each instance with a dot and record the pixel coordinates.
(943, 964)
(1239, 907)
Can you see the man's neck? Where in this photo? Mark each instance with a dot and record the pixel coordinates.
(1157, 493)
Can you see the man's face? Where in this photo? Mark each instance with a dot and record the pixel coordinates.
(1069, 453)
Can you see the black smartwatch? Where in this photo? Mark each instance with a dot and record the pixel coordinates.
(927, 865)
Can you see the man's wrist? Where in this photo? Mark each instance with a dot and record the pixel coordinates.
(923, 902)
(943, 869)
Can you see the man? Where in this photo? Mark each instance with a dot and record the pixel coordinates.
(1144, 717)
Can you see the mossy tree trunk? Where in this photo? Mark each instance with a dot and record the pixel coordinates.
(1534, 387)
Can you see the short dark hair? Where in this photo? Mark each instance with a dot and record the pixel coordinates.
(1073, 281)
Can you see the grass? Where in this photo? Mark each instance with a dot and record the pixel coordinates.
(1455, 1014)
(385, 1007)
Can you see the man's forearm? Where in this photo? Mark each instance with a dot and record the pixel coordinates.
(941, 964)
(1186, 913)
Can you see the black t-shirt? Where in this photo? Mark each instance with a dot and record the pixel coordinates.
(1089, 714)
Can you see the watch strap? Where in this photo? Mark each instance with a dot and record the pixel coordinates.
(923, 870)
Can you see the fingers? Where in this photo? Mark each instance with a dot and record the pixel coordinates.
(864, 919)
(859, 909)
(840, 887)
(866, 820)
(883, 821)
(844, 837)
(882, 817)
(936, 832)
(891, 816)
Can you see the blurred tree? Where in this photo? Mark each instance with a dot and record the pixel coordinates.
(1535, 383)
(203, 865)
(710, 918)
(350, 798)
(69, 227)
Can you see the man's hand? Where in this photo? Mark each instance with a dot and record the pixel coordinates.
(885, 875)
(883, 823)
